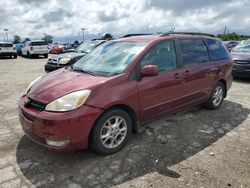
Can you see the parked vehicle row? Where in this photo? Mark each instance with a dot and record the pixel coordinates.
(121, 85)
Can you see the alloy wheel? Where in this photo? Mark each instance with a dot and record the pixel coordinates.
(113, 132)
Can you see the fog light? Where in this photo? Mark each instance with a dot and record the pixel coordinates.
(56, 143)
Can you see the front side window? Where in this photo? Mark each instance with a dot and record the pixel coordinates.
(110, 58)
(163, 55)
(217, 49)
(193, 51)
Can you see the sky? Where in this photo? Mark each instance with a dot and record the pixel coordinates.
(63, 19)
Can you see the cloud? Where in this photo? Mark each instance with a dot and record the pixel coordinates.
(33, 18)
(57, 15)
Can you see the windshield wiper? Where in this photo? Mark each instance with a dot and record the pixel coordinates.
(85, 71)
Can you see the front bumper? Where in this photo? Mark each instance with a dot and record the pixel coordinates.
(52, 67)
(73, 126)
(241, 70)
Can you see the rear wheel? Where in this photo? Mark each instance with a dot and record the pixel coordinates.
(111, 132)
(217, 96)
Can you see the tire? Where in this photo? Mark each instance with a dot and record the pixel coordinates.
(45, 55)
(114, 138)
(28, 55)
(216, 97)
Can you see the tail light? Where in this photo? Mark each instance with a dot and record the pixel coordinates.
(31, 48)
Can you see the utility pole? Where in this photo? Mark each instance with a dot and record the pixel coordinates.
(6, 32)
(83, 34)
(225, 30)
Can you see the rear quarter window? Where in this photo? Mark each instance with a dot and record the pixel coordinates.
(193, 51)
(217, 49)
(38, 43)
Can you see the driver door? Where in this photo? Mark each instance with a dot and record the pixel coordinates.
(162, 93)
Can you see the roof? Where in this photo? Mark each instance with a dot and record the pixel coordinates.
(150, 38)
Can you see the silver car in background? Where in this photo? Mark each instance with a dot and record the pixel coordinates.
(241, 57)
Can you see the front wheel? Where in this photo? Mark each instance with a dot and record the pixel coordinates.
(217, 96)
(111, 132)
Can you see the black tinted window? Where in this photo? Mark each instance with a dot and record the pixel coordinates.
(217, 49)
(38, 43)
(6, 45)
(193, 51)
(163, 55)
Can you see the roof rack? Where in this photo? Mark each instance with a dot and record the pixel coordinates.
(136, 34)
(186, 33)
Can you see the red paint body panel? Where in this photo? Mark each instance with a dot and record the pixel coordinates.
(148, 98)
(74, 125)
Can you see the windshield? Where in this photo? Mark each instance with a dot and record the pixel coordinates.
(86, 47)
(242, 48)
(111, 58)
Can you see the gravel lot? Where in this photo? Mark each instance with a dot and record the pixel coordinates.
(194, 148)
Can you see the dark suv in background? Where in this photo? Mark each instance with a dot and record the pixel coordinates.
(69, 58)
(121, 85)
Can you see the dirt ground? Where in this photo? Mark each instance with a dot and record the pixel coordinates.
(194, 148)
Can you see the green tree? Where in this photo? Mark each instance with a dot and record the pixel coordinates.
(48, 38)
(17, 39)
(27, 39)
(107, 36)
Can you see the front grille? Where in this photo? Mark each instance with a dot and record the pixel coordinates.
(35, 105)
(52, 61)
(242, 61)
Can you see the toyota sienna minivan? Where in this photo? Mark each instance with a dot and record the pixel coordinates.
(122, 84)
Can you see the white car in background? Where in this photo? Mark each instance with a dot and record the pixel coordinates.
(8, 49)
(35, 48)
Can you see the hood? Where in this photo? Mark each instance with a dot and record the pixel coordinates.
(66, 55)
(61, 82)
(241, 56)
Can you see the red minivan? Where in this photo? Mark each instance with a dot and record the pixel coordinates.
(121, 85)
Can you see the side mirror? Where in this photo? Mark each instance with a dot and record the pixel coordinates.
(149, 70)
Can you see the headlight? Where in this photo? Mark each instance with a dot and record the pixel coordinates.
(64, 60)
(69, 102)
(32, 83)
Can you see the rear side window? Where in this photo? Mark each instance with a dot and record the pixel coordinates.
(38, 43)
(6, 45)
(217, 49)
(193, 51)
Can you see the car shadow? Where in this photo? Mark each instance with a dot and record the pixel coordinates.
(163, 143)
(35, 57)
(6, 57)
